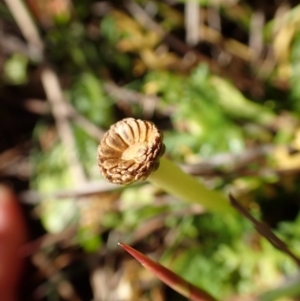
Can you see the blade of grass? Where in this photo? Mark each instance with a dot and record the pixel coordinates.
(265, 231)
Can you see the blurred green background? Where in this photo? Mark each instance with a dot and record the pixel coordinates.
(219, 78)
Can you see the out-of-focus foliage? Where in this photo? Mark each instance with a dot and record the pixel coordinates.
(15, 69)
(88, 93)
(257, 266)
(208, 116)
(205, 117)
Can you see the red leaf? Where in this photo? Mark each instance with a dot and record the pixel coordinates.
(168, 277)
(13, 235)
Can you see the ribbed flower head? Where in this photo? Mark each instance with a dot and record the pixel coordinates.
(130, 151)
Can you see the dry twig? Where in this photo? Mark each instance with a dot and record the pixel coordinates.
(57, 101)
(51, 85)
(192, 22)
(241, 81)
(40, 107)
(27, 27)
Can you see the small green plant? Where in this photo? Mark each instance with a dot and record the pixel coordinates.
(131, 151)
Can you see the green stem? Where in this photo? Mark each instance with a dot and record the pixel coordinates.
(174, 181)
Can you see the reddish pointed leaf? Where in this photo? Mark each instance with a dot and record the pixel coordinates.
(168, 277)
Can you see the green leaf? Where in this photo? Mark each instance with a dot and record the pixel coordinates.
(15, 69)
(58, 214)
(89, 98)
(89, 240)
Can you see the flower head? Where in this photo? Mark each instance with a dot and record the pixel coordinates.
(130, 151)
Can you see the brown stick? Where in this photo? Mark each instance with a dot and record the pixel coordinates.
(57, 101)
(26, 26)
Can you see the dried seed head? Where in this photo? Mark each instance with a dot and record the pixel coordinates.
(130, 151)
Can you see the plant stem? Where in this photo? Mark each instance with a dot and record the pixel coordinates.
(174, 181)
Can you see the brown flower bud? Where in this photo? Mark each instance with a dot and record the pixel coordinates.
(130, 151)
